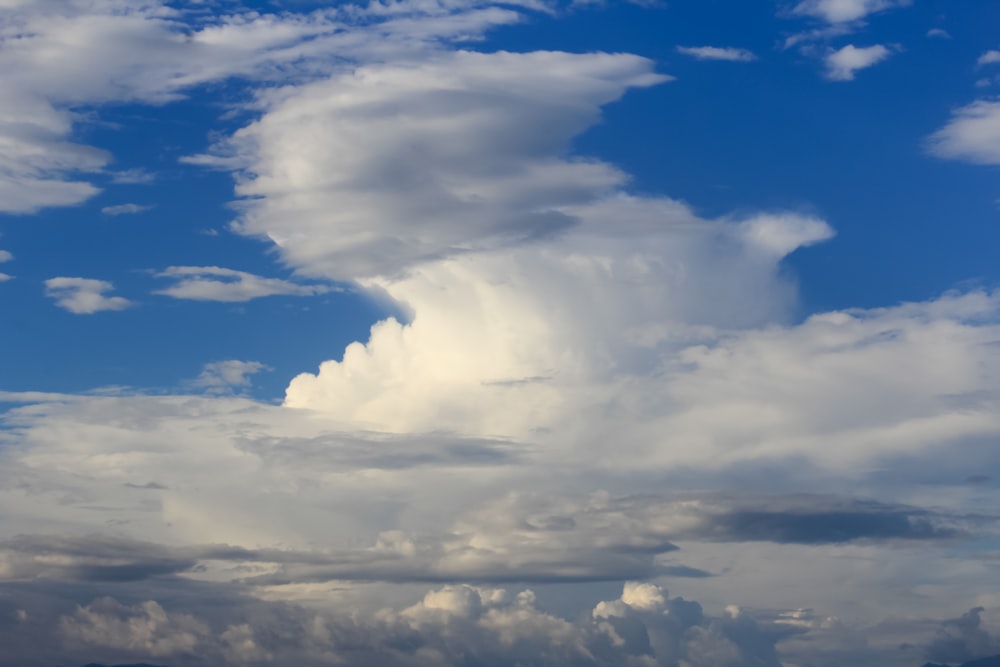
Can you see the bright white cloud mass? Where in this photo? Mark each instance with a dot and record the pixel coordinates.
(594, 423)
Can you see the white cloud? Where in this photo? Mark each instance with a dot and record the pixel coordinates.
(225, 376)
(938, 33)
(372, 172)
(841, 65)
(5, 256)
(989, 58)
(63, 54)
(84, 296)
(4, 277)
(972, 134)
(717, 53)
(844, 11)
(213, 283)
(125, 209)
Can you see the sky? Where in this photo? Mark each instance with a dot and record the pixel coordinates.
(426, 333)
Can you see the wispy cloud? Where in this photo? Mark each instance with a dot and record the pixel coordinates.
(844, 11)
(972, 134)
(228, 376)
(717, 53)
(126, 209)
(214, 283)
(84, 296)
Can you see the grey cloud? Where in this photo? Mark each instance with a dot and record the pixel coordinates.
(453, 626)
(962, 639)
(383, 451)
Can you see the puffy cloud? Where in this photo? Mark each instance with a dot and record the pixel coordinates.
(717, 53)
(5, 256)
(844, 11)
(225, 376)
(141, 629)
(373, 172)
(972, 134)
(989, 58)
(214, 283)
(125, 209)
(84, 296)
(450, 626)
(5, 277)
(842, 64)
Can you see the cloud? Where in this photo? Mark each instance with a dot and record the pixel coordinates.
(84, 296)
(5, 256)
(972, 134)
(989, 58)
(136, 176)
(449, 626)
(373, 172)
(143, 629)
(844, 11)
(4, 277)
(213, 283)
(226, 376)
(841, 65)
(963, 639)
(69, 55)
(125, 209)
(938, 33)
(717, 53)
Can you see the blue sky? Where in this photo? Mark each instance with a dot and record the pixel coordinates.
(526, 324)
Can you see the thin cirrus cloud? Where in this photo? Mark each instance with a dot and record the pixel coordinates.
(126, 209)
(214, 283)
(717, 53)
(844, 63)
(84, 296)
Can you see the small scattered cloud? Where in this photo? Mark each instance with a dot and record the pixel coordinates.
(5, 277)
(938, 33)
(126, 209)
(844, 11)
(841, 65)
(133, 177)
(991, 57)
(227, 376)
(5, 256)
(972, 134)
(84, 296)
(214, 283)
(717, 53)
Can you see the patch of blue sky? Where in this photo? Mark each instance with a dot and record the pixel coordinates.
(159, 343)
